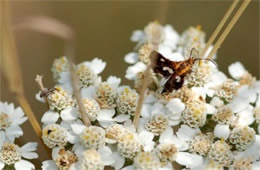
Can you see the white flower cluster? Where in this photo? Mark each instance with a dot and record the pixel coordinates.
(211, 122)
(11, 155)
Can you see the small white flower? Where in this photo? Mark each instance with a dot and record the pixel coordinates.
(132, 71)
(175, 107)
(181, 142)
(222, 131)
(97, 65)
(68, 114)
(11, 154)
(251, 151)
(131, 58)
(61, 159)
(10, 119)
(236, 70)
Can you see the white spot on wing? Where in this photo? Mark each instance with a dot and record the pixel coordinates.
(162, 60)
(178, 79)
(168, 69)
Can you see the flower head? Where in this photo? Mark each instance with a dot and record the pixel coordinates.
(128, 145)
(91, 160)
(127, 101)
(12, 155)
(221, 153)
(242, 137)
(54, 135)
(10, 119)
(146, 160)
(93, 137)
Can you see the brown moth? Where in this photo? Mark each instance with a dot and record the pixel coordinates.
(174, 71)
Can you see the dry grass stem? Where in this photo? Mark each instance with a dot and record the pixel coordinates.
(11, 68)
(12, 71)
(54, 27)
(219, 27)
(228, 28)
(142, 96)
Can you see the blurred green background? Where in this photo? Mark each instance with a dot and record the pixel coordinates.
(103, 29)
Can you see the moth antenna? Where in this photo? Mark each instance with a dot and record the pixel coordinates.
(191, 51)
(208, 60)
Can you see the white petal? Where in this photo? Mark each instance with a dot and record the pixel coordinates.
(146, 139)
(199, 91)
(246, 116)
(64, 77)
(121, 118)
(146, 110)
(129, 168)
(114, 81)
(69, 114)
(150, 99)
(236, 70)
(105, 117)
(189, 160)
(37, 96)
(215, 101)
(256, 165)
(174, 122)
(180, 144)
(158, 109)
(186, 133)
(210, 109)
(222, 131)
(2, 165)
(106, 113)
(72, 137)
(17, 117)
(75, 166)
(131, 58)
(49, 165)
(13, 132)
(30, 155)
(23, 164)
(237, 105)
(119, 161)
(106, 155)
(166, 136)
(129, 126)
(133, 70)
(138, 35)
(28, 147)
(175, 106)
(50, 117)
(77, 128)
(97, 65)
(2, 138)
(55, 152)
(88, 92)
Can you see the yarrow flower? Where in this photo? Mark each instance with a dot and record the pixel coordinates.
(13, 155)
(210, 122)
(10, 119)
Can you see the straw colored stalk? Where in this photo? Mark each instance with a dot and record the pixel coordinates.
(229, 27)
(11, 70)
(53, 27)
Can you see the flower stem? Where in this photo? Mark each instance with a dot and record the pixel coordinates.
(219, 27)
(11, 69)
(229, 27)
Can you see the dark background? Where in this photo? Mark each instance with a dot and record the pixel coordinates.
(103, 29)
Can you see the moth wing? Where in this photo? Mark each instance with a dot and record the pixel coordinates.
(162, 65)
(174, 83)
